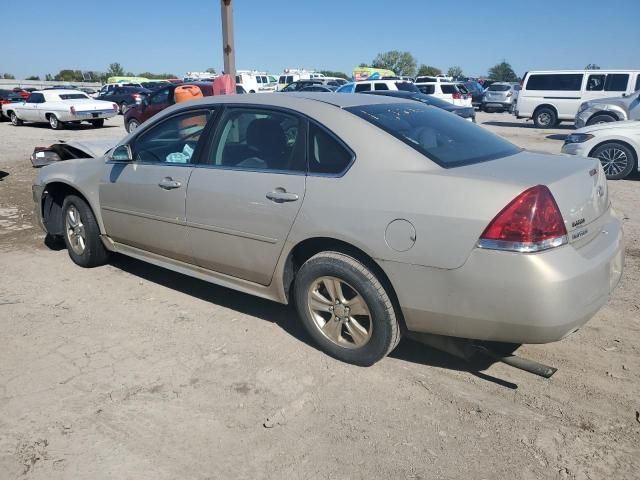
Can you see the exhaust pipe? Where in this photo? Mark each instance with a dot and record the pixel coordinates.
(466, 349)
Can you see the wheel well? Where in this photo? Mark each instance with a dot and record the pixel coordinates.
(630, 147)
(312, 246)
(546, 105)
(47, 115)
(608, 114)
(51, 206)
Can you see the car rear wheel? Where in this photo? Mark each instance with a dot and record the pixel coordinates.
(123, 108)
(82, 234)
(98, 123)
(596, 119)
(345, 308)
(132, 125)
(15, 121)
(545, 118)
(617, 159)
(54, 122)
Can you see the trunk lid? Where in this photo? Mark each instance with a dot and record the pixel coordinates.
(578, 185)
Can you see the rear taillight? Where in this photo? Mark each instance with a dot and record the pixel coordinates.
(530, 223)
(137, 97)
(456, 96)
(73, 110)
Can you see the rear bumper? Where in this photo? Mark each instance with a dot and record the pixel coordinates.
(497, 104)
(510, 297)
(88, 115)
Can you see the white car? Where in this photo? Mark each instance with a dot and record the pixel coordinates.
(549, 97)
(615, 144)
(58, 107)
(448, 91)
(376, 85)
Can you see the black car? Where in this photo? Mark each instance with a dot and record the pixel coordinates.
(476, 90)
(300, 84)
(123, 95)
(468, 113)
(318, 88)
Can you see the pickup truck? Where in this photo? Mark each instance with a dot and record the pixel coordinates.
(58, 107)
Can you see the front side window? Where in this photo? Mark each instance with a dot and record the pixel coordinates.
(616, 82)
(253, 139)
(595, 83)
(427, 89)
(172, 141)
(446, 139)
(35, 98)
(568, 82)
(289, 79)
(326, 154)
(281, 79)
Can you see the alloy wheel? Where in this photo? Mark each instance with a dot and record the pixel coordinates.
(613, 160)
(74, 228)
(339, 312)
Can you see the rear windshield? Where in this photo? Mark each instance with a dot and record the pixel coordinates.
(72, 96)
(444, 138)
(499, 88)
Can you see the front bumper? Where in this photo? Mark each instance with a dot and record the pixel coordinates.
(580, 149)
(511, 297)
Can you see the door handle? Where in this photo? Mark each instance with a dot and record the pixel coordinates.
(169, 183)
(280, 196)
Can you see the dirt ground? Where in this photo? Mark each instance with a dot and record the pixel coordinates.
(132, 372)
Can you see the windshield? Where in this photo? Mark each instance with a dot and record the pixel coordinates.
(446, 139)
(72, 96)
(499, 88)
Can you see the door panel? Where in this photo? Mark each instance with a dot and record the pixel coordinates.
(242, 202)
(233, 227)
(138, 211)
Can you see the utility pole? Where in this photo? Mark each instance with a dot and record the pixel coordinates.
(228, 44)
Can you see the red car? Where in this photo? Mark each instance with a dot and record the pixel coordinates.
(158, 101)
(23, 93)
(8, 96)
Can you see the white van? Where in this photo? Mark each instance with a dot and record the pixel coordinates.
(291, 75)
(253, 81)
(549, 97)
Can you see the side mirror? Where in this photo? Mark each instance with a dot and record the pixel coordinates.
(122, 153)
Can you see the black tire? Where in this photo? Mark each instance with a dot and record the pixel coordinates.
(93, 254)
(132, 125)
(54, 123)
(545, 117)
(97, 123)
(15, 121)
(600, 118)
(383, 324)
(617, 159)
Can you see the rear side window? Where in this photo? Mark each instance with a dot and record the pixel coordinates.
(595, 83)
(427, 89)
(637, 83)
(73, 96)
(444, 138)
(616, 82)
(499, 88)
(566, 82)
(381, 86)
(363, 87)
(281, 79)
(326, 154)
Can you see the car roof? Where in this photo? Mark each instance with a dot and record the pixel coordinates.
(59, 91)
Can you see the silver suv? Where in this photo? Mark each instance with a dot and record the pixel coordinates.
(500, 97)
(606, 110)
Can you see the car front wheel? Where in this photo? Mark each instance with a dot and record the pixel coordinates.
(82, 234)
(617, 159)
(15, 121)
(345, 308)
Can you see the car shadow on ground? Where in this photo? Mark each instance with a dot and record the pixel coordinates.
(524, 125)
(69, 126)
(285, 316)
(3, 174)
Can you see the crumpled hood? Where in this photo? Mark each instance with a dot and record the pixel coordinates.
(609, 126)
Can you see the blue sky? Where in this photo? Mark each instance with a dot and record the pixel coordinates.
(45, 36)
